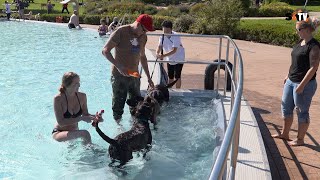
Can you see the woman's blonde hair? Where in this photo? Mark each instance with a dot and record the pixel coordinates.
(311, 22)
(67, 79)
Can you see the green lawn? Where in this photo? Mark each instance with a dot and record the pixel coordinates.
(272, 24)
(309, 8)
(36, 7)
(275, 23)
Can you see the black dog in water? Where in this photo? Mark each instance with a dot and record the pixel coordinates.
(138, 138)
(160, 92)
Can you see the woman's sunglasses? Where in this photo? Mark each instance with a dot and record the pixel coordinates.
(299, 29)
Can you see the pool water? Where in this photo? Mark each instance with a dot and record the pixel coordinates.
(34, 57)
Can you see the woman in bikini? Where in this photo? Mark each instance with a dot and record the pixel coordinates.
(70, 107)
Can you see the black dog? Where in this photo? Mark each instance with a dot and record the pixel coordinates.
(160, 92)
(138, 138)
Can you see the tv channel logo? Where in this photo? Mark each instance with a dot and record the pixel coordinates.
(298, 16)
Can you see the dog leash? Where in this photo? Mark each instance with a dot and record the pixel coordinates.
(154, 66)
(163, 72)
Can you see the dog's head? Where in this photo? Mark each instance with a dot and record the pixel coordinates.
(160, 92)
(148, 109)
(133, 102)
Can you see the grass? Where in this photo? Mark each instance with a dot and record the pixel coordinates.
(36, 7)
(277, 25)
(309, 8)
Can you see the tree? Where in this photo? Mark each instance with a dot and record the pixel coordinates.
(219, 17)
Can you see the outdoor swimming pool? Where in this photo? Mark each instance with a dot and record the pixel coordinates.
(33, 59)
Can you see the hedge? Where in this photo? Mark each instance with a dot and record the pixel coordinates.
(271, 31)
(275, 9)
(95, 19)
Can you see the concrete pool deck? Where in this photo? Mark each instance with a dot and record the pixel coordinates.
(265, 66)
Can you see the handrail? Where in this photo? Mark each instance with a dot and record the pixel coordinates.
(231, 138)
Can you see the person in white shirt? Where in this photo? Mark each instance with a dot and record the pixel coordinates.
(112, 27)
(74, 20)
(174, 51)
(8, 10)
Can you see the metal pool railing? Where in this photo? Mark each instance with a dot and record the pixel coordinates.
(230, 143)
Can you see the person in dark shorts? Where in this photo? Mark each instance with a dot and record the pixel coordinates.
(8, 10)
(174, 51)
(300, 84)
(129, 42)
(74, 20)
(65, 7)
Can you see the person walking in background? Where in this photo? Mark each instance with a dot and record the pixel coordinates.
(300, 84)
(20, 6)
(70, 107)
(129, 42)
(174, 51)
(74, 20)
(49, 7)
(8, 9)
(112, 27)
(65, 7)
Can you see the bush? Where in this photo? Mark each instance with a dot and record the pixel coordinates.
(197, 8)
(246, 4)
(277, 9)
(276, 32)
(170, 11)
(218, 17)
(92, 19)
(157, 20)
(184, 9)
(252, 12)
(130, 8)
(101, 7)
(183, 23)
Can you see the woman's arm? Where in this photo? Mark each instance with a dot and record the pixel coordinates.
(174, 50)
(84, 104)
(314, 63)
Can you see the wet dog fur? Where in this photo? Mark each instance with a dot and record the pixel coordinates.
(160, 92)
(138, 138)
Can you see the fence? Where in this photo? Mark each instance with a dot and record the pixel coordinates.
(197, 57)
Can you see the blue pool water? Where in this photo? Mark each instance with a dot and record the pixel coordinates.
(34, 57)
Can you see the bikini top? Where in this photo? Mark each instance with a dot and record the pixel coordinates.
(103, 29)
(67, 114)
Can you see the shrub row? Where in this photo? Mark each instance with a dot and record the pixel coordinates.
(277, 32)
(270, 31)
(95, 19)
(276, 9)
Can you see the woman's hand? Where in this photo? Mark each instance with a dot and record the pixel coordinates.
(299, 89)
(285, 79)
(87, 118)
(159, 56)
